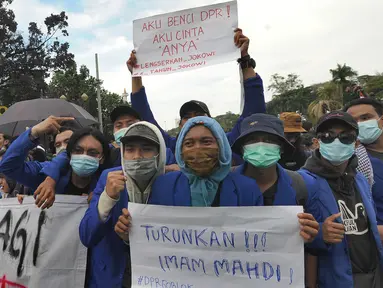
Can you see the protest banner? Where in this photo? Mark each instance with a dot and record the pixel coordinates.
(187, 247)
(42, 248)
(186, 39)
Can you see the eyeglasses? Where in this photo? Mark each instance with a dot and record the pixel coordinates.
(344, 137)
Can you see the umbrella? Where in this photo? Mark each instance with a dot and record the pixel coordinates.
(28, 113)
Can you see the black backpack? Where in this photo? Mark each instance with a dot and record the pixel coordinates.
(299, 186)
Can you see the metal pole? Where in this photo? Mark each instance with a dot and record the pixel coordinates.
(99, 96)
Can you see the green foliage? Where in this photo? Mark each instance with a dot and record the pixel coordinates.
(374, 86)
(227, 122)
(26, 62)
(281, 85)
(174, 132)
(73, 85)
(291, 101)
(343, 74)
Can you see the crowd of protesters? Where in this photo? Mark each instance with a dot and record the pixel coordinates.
(334, 170)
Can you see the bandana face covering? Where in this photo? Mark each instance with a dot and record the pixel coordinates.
(202, 161)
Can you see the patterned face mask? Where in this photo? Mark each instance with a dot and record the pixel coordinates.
(202, 161)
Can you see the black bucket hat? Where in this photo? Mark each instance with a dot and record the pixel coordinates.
(261, 123)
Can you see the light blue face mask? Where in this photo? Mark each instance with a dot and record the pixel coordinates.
(336, 152)
(369, 131)
(119, 134)
(84, 165)
(261, 154)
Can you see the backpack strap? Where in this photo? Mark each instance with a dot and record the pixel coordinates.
(299, 186)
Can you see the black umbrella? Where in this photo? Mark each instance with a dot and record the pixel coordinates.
(28, 113)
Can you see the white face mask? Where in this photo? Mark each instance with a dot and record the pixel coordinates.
(141, 169)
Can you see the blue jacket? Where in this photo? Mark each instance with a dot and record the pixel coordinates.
(254, 103)
(28, 173)
(334, 265)
(235, 190)
(377, 188)
(285, 194)
(108, 250)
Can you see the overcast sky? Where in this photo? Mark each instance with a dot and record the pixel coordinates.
(307, 37)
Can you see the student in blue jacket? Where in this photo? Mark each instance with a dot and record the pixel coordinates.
(349, 248)
(143, 156)
(122, 117)
(369, 115)
(261, 143)
(254, 101)
(204, 155)
(87, 150)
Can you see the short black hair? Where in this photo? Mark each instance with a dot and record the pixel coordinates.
(77, 135)
(378, 106)
(71, 125)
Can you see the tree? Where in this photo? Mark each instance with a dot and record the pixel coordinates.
(291, 101)
(374, 85)
(320, 107)
(328, 91)
(227, 121)
(25, 62)
(281, 85)
(73, 85)
(342, 75)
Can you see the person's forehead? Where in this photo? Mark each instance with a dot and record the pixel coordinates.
(125, 118)
(199, 131)
(89, 142)
(64, 135)
(361, 109)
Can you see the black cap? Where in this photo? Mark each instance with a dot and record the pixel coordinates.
(261, 123)
(123, 110)
(140, 131)
(194, 105)
(337, 116)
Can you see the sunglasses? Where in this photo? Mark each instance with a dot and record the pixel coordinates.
(344, 137)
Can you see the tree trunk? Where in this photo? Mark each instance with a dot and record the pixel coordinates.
(340, 87)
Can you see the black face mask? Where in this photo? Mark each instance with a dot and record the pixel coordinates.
(294, 138)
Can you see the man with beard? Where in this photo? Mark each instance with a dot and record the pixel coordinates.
(293, 129)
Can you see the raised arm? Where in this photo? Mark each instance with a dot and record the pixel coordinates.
(141, 105)
(14, 166)
(253, 86)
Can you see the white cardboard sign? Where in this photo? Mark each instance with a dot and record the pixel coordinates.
(42, 248)
(186, 40)
(183, 247)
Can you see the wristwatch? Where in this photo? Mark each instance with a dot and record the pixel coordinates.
(246, 62)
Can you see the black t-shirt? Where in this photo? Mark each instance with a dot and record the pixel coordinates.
(269, 195)
(74, 190)
(361, 243)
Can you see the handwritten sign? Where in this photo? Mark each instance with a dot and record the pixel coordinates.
(216, 247)
(186, 39)
(41, 248)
